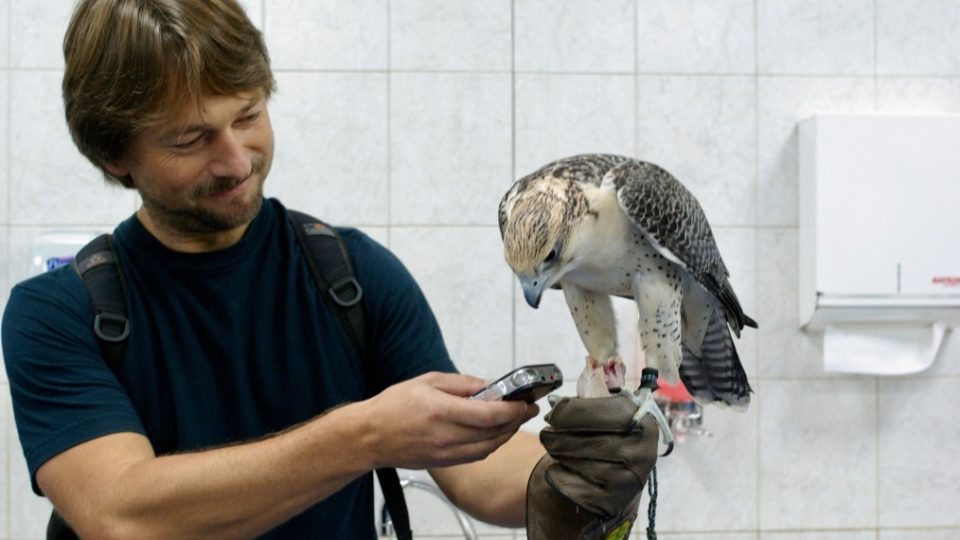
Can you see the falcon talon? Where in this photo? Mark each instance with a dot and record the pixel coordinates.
(646, 405)
(669, 449)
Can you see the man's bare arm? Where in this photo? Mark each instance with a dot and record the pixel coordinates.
(115, 487)
(494, 490)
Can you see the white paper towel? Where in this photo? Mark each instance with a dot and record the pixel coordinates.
(881, 349)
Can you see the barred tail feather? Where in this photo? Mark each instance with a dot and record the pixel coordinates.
(717, 376)
(736, 318)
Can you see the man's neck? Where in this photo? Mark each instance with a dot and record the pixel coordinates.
(185, 242)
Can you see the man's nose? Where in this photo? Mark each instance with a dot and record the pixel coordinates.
(229, 158)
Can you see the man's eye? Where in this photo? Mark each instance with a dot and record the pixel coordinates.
(250, 118)
(188, 144)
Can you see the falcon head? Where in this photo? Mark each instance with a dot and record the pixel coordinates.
(537, 216)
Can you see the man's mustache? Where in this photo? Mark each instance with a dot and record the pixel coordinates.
(221, 184)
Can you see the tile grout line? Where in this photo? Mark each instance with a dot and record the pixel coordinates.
(8, 108)
(876, 379)
(876, 457)
(904, 76)
(756, 256)
(636, 79)
(876, 49)
(513, 167)
(389, 128)
(8, 418)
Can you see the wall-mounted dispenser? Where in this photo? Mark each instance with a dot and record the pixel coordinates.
(53, 250)
(879, 220)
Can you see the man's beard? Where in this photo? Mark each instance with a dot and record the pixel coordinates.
(200, 219)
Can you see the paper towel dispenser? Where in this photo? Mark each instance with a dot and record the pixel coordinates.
(879, 218)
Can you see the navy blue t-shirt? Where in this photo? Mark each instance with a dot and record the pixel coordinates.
(224, 346)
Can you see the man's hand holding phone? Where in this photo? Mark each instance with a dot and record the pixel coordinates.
(527, 383)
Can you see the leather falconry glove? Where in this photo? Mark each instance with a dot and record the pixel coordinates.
(588, 485)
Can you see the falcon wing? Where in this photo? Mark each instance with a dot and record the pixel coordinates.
(670, 216)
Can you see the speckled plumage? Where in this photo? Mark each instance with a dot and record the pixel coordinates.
(600, 225)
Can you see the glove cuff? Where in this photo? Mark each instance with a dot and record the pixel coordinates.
(553, 516)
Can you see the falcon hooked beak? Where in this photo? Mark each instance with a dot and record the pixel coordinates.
(532, 289)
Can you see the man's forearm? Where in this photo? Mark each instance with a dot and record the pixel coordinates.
(494, 490)
(115, 487)
(239, 491)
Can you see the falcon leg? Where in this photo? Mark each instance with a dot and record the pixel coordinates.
(600, 379)
(643, 397)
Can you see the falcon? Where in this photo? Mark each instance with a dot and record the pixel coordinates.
(597, 226)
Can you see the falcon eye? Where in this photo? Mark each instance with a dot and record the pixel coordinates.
(551, 256)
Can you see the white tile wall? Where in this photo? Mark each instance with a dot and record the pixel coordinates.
(36, 32)
(917, 457)
(639, 534)
(815, 37)
(830, 535)
(430, 517)
(595, 36)
(450, 35)
(925, 96)
(50, 182)
(5, 33)
(471, 300)
(449, 138)
(703, 129)
(547, 334)
(915, 534)
(331, 145)
(410, 120)
(5, 422)
(818, 453)
(4, 162)
(782, 349)
(697, 36)
(565, 114)
(781, 103)
(327, 34)
(254, 9)
(5, 284)
(918, 37)
(709, 483)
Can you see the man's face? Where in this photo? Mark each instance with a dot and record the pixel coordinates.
(201, 172)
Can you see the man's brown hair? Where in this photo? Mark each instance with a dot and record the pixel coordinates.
(130, 64)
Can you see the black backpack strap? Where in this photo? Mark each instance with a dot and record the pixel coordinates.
(97, 265)
(330, 265)
(59, 529)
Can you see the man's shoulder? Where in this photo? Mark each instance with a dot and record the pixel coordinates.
(61, 284)
(54, 303)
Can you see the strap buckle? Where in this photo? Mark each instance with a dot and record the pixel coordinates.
(111, 327)
(351, 287)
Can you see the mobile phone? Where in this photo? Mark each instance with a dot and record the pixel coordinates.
(527, 383)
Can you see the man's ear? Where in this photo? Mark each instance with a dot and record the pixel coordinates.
(116, 168)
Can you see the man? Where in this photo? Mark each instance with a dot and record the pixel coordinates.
(239, 411)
